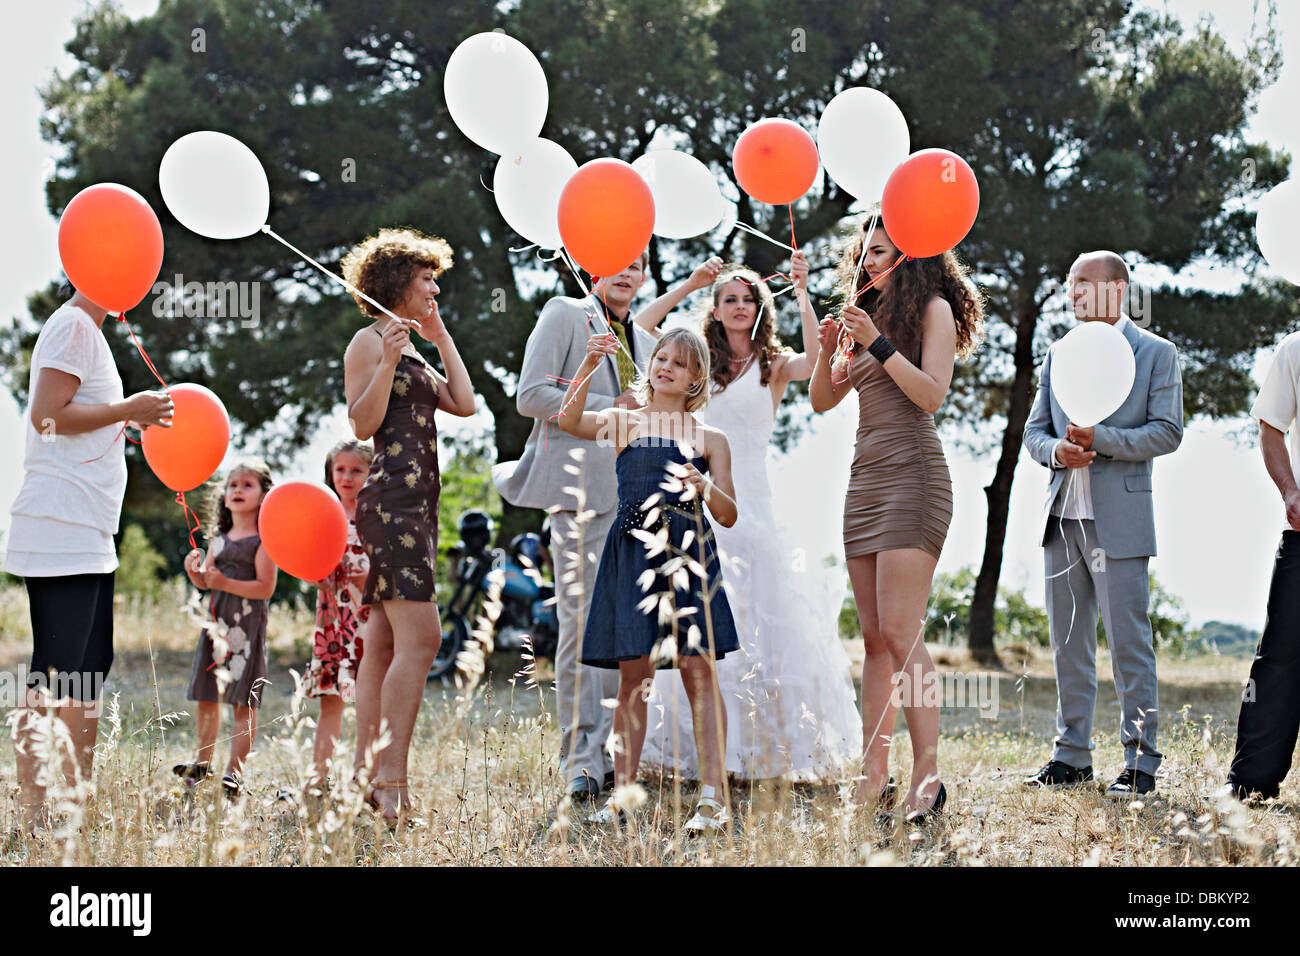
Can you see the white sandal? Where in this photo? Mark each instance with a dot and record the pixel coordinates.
(609, 815)
(707, 824)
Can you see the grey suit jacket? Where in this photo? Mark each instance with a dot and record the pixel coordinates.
(557, 346)
(1149, 423)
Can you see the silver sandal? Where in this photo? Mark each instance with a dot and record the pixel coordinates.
(707, 824)
(611, 814)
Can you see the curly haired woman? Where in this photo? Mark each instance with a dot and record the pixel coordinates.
(392, 393)
(898, 507)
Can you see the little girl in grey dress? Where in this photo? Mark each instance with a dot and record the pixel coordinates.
(230, 660)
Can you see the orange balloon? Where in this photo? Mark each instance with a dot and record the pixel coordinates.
(189, 453)
(303, 528)
(775, 161)
(606, 216)
(930, 203)
(111, 246)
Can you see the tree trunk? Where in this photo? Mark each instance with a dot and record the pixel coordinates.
(998, 492)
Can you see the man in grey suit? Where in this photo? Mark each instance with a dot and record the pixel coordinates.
(554, 466)
(1098, 535)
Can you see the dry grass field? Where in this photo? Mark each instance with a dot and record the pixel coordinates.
(484, 771)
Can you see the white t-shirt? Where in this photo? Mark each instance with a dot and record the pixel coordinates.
(1276, 402)
(68, 507)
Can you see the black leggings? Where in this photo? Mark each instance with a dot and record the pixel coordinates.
(1270, 706)
(72, 634)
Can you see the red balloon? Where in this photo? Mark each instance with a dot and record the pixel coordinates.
(111, 246)
(606, 216)
(303, 528)
(189, 453)
(930, 203)
(775, 161)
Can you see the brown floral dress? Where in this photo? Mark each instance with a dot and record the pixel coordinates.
(397, 509)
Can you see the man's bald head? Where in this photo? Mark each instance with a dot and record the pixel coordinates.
(1104, 264)
(1098, 283)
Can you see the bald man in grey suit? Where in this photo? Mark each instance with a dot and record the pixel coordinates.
(1099, 534)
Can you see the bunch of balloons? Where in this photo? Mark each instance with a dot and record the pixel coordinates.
(602, 215)
(111, 248)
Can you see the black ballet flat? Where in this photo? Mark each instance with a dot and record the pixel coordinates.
(192, 773)
(928, 815)
(886, 804)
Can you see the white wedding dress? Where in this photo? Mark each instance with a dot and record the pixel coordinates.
(791, 709)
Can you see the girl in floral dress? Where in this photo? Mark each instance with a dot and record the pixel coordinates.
(336, 653)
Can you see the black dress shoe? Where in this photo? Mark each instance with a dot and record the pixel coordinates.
(921, 817)
(608, 785)
(1250, 796)
(584, 790)
(1057, 774)
(1130, 784)
(885, 805)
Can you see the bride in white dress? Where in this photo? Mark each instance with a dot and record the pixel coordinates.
(791, 709)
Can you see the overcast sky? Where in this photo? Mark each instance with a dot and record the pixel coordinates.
(1217, 514)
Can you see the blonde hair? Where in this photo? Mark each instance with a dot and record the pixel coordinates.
(697, 360)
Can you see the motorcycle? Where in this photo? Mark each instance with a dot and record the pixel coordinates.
(528, 615)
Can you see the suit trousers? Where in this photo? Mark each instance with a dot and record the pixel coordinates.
(585, 722)
(1080, 580)
(1270, 706)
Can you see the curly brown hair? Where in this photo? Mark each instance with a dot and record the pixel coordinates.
(382, 266)
(898, 308)
(766, 344)
(219, 514)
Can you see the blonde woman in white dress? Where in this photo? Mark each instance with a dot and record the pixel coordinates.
(791, 708)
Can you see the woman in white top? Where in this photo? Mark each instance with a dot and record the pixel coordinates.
(61, 536)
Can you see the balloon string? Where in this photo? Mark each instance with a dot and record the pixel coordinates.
(794, 243)
(120, 432)
(341, 281)
(862, 256)
(189, 513)
(140, 348)
(897, 263)
(843, 347)
(588, 293)
(754, 232)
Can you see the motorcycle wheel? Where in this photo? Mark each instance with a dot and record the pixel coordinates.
(455, 632)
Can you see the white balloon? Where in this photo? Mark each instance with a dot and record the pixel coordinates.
(687, 199)
(527, 190)
(1277, 228)
(862, 137)
(214, 185)
(496, 92)
(728, 214)
(1092, 372)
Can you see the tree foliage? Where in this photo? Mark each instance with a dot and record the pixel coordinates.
(1089, 123)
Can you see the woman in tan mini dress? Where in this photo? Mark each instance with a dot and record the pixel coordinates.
(392, 393)
(899, 357)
